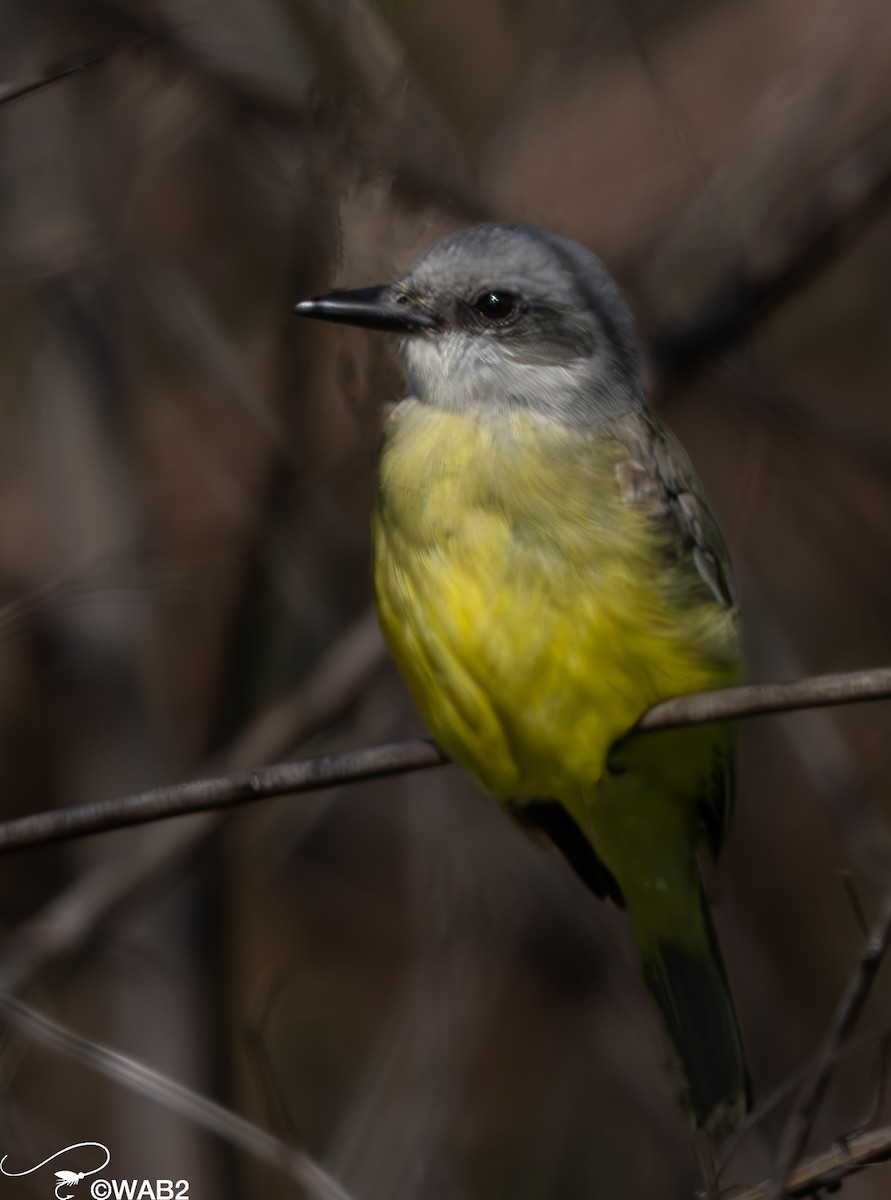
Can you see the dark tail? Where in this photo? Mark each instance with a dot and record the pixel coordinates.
(683, 971)
(690, 988)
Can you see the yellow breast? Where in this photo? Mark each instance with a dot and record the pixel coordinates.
(532, 610)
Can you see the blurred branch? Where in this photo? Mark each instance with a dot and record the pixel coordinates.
(828, 1169)
(354, 766)
(813, 1089)
(769, 1103)
(179, 1099)
(853, 195)
(12, 91)
(836, 775)
(80, 911)
(112, 578)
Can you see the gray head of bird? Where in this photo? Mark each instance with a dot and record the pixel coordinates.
(505, 317)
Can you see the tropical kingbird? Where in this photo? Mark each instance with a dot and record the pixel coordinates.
(546, 568)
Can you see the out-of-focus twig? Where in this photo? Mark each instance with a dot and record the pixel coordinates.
(827, 1170)
(79, 911)
(771, 1102)
(835, 773)
(110, 578)
(817, 1079)
(179, 1099)
(17, 91)
(354, 766)
(854, 194)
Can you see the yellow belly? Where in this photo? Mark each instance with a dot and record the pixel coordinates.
(532, 610)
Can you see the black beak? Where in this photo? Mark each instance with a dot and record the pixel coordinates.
(372, 307)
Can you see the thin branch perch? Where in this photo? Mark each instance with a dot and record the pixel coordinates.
(354, 766)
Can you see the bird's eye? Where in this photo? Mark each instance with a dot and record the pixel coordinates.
(495, 305)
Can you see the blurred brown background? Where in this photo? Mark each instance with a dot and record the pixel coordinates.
(392, 973)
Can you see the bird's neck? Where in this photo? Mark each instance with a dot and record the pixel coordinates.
(577, 392)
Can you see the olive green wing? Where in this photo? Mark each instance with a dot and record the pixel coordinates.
(656, 475)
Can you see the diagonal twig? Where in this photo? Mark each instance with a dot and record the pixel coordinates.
(145, 1081)
(827, 1170)
(79, 910)
(813, 1089)
(853, 195)
(782, 1092)
(353, 766)
(13, 91)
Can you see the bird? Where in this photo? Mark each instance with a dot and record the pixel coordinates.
(546, 568)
